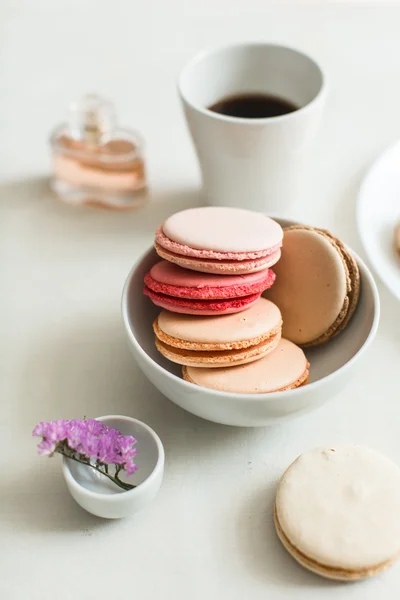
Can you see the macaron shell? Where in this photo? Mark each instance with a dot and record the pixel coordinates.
(312, 286)
(284, 368)
(340, 507)
(221, 267)
(229, 331)
(201, 307)
(170, 279)
(221, 229)
(218, 359)
(353, 288)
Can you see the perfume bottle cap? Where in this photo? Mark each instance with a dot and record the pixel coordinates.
(92, 120)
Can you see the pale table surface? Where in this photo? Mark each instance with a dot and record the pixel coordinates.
(209, 534)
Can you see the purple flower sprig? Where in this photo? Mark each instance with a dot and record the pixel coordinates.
(91, 443)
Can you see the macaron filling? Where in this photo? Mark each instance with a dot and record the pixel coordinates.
(204, 307)
(172, 280)
(185, 250)
(212, 345)
(207, 265)
(218, 358)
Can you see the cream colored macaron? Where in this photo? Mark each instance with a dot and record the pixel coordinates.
(219, 341)
(317, 285)
(285, 368)
(337, 512)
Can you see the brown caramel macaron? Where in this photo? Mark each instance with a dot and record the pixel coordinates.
(219, 341)
(337, 512)
(317, 285)
(285, 368)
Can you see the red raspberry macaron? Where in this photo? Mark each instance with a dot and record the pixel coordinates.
(184, 291)
(221, 240)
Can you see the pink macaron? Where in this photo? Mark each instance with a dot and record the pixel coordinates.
(221, 240)
(184, 291)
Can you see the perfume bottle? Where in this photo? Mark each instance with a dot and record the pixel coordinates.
(94, 161)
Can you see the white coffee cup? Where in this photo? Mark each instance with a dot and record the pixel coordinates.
(252, 163)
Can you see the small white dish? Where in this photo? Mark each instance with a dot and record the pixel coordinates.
(332, 364)
(378, 212)
(100, 496)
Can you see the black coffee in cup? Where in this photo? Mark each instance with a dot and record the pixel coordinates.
(253, 106)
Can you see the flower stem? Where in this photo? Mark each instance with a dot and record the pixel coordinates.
(116, 479)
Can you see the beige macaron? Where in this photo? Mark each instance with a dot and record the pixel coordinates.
(219, 341)
(337, 512)
(285, 368)
(317, 285)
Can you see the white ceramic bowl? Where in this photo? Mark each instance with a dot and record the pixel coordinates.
(332, 364)
(100, 496)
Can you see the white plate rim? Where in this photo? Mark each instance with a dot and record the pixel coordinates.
(373, 171)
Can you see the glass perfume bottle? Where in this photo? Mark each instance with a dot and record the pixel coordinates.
(94, 161)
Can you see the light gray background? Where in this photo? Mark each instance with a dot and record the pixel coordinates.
(63, 354)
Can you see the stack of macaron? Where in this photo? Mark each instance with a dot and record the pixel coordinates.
(225, 319)
(216, 264)
(216, 261)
